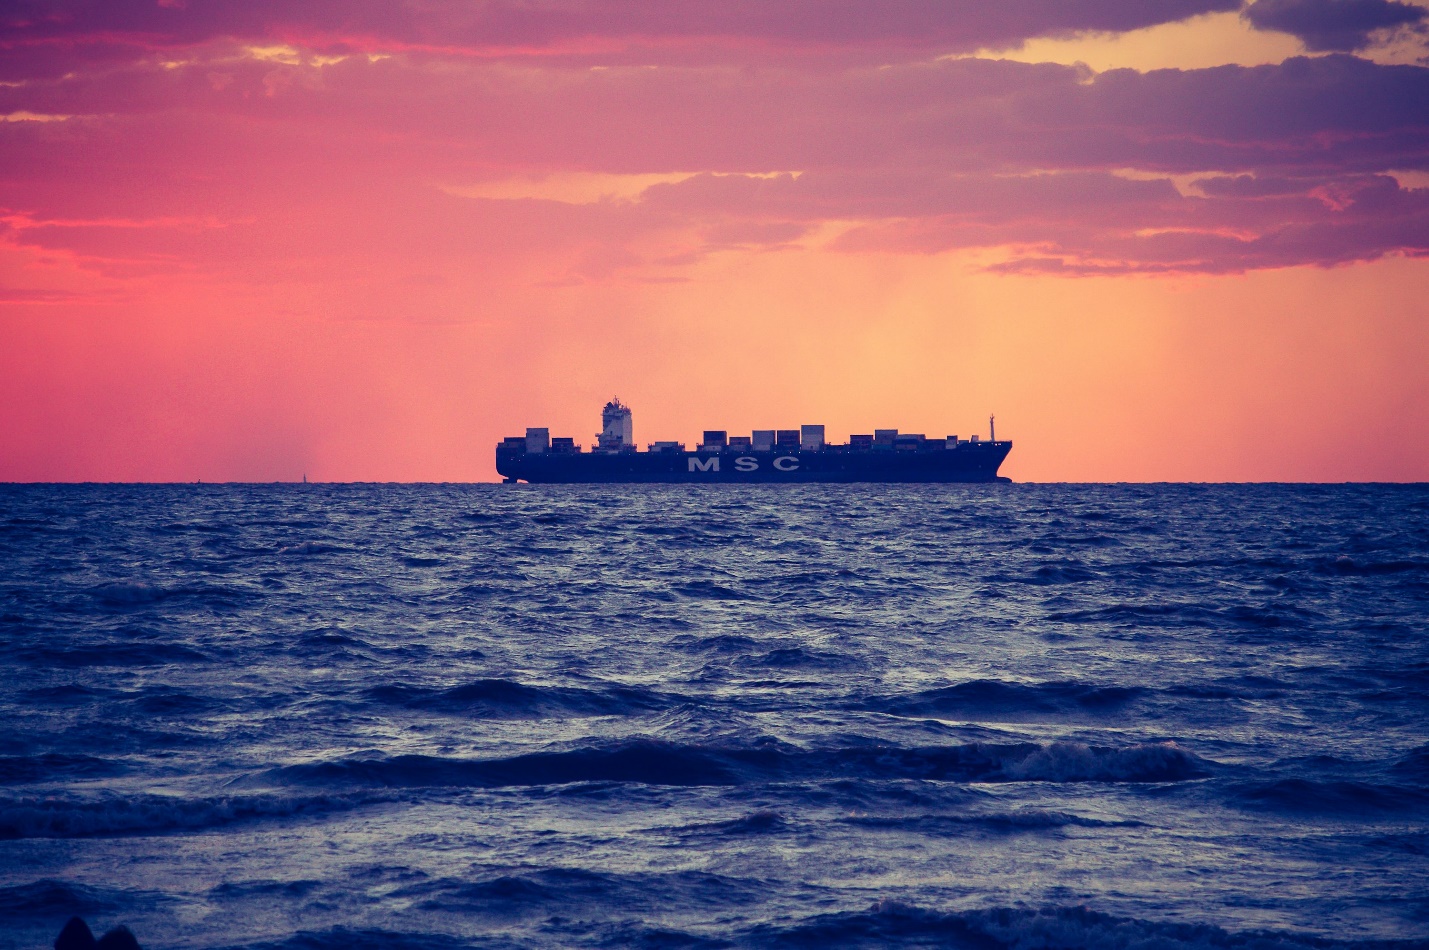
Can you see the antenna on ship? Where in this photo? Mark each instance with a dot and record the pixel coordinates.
(991, 429)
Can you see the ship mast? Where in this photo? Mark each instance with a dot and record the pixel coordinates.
(991, 429)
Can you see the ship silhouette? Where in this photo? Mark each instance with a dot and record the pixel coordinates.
(777, 456)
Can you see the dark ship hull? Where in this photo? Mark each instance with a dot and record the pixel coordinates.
(965, 462)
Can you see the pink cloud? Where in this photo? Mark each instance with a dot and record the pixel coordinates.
(349, 162)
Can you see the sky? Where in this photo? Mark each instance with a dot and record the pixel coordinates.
(1161, 240)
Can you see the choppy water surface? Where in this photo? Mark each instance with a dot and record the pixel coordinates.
(981, 716)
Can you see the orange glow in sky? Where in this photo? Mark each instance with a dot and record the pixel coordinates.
(255, 244)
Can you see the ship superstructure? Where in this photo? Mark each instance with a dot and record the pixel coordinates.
(617, 431)
(765, 455)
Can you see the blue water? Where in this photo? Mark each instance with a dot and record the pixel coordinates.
(494, 716)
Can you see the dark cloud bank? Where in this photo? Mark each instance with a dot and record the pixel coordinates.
(1277, 165)
(1343, 25)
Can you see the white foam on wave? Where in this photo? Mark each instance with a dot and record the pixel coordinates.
(304, 548)
(1076, 762)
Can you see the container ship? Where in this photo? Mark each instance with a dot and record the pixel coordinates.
(766, 455)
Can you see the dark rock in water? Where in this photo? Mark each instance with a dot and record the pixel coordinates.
(120, 938)
(76, 935)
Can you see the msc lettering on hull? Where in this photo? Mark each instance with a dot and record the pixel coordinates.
(784, 463)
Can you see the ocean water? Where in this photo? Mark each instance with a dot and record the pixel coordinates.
(509, 716)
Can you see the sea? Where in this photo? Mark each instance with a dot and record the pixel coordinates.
(312, 717)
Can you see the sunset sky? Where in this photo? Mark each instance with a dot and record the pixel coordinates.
(1160, 239)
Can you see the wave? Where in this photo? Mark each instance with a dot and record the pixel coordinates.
(763, 822)
(243, 890)
(343, 938)
(119, 595)
(1063, 539)
(1075, 762)
(800, 658)
(1134, 613)
(508, 699)
(113, 655)
(1049, 575)
(48, 767)
(1413, 764)
(731, 644)
(1024, 820)
(160, 701)
(1240, 616)
(1341, 798)
(889, 923)
(114, 815)
(1234, 687)
(994, 700)
(129, 593)
(708, 590)
(51, 898)
(67, 694)
(524, 889)
(1346, 565)
(651, 762)
(884, 924)
(307, 549)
